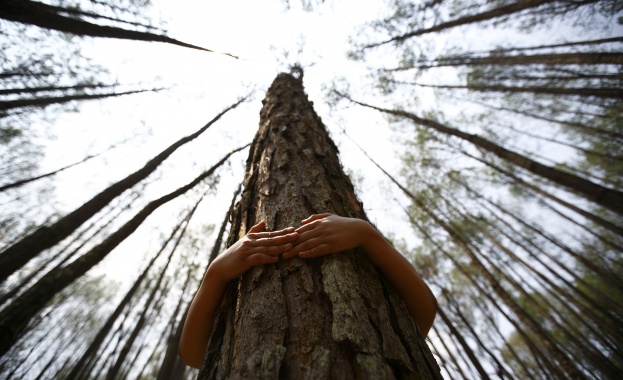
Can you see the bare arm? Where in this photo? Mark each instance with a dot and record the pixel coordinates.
(326, 234)
(254, 249)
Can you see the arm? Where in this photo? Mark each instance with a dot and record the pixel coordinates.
(254, 249)
(326, 234)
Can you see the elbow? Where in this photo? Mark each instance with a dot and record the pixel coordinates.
(189, 360)
(430, 316)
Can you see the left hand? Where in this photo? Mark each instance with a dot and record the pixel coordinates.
(323, 234)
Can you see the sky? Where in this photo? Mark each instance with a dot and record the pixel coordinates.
(267, 38)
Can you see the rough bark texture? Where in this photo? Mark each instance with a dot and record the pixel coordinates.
(331, 317)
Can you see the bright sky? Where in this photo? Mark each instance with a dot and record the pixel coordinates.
(205, 83)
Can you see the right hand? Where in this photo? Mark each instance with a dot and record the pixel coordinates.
(255, 248)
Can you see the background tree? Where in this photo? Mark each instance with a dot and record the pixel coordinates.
(527, 271)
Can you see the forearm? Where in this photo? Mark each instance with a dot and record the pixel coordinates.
(418, 298)
(200, 319)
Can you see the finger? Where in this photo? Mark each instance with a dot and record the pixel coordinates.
(266, 234)
(304, 246)
(311, 218)
(258, 227)
(320, 250)
(272, 250)
(273, 241)
(308, 226)
(260, 258)
(307, 235)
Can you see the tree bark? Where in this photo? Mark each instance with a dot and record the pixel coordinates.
(330, 317)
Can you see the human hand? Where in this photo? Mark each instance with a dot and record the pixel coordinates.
(253, 249)
(324, 234)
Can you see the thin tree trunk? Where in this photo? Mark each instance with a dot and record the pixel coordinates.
(520, 5)
(455, 361)
(609, 93)
(330, 317)
(49, 174)
(536, 350)
(29, 246)
(535, 59)
(609, 198)
(551, 46)
(6, 105)
(38, 271)
(78, 369)
(465, 347)
(50, 17)
(15, 317)
(584, 128)
(32, 90)
(172, 367)
(142, 319)
(592, 217)
(501, 370)
(527, 319)
(555, 289)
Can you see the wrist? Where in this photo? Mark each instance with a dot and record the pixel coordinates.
(370, 237)
(214, 275)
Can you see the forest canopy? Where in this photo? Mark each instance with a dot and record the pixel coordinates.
(483, 138)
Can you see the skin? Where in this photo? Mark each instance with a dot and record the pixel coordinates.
(319, 235)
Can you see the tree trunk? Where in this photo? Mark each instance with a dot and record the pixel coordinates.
(17, 255)
(330, 317)
(595, 58)
(609, 198)
(50, 17)
(614, 93)
(506, 10)
(15, 317)
(46, 101)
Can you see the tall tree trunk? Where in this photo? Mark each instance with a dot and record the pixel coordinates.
(46, 101)
(54, 172)
(330, 317)
(533, 59)
(551, 46)
(465, 347)
(78, 370)
(506, 10)
(44, 237)
(614, 93)
(51, 17)
(606, 197)
(563, 361)
(16, 316)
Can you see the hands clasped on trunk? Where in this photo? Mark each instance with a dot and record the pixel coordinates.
(318, 235)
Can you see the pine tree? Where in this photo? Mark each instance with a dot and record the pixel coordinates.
(331, 317)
